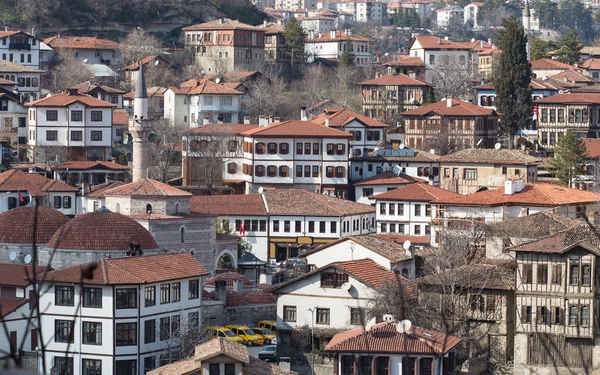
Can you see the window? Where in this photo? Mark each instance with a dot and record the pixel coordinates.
(311, 227)
(92, 333)
(330, 150)
(298, 148)
(283, 171)
(57, 202)
(552, 115)
(298, 226)
(284, 148)
(585, 316)
(307, 171)
(126, 298)
(340, 149)
(193, 319)
(527, 275)
(470, 174)
(92, 367)
(333, 227)
(96, 116)
(127, 367)
(208, 100)
(63, 331)
(51, 135)
(150, 296)
(298, 171)
(226, 101)
(417, 210)
(574, 274)
(126, 334)
(76, 135)
(63, 365)
(573, 315)
(260, 171)
(315, 171)
(262, 225)
(382, 208)
(525, 314)
(561, 115)
(193, 289)
(275, 225)
(271, 171)
(289, 313)
(392, 208)
(272, 148)
(316, 149)
(556, 274)
(431, 59)
(231, 168)
(214, 369)
(286, 226)
(52, 115)
(64, 295)
(260, 148)
(229, 369)
(114, 99)
(417, 230)
(542, 274)
(175, 325)
(586, 275)
(76, 116)
(149, 331)
(383, 228)
(96, 135)
(92, 297)
(66, 201)
(149, 364)
(333, 279)
(165, 293)
(322, 228)
(322, 316)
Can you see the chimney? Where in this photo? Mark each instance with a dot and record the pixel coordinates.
(263, 120)
(432, 151)
(303, 116)
(327, 120)
(448, 102)
(270, 119)
(220, 21)
(205, 120)
(92, 81)
(72, 91)
(277, 119)
(221, 290)
(237, 286)
(265, 23)
(246, 120)
(490, 41)
(512, 187)
(332, 34)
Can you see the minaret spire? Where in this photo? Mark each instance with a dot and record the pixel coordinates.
(140, 127)
(527, 26)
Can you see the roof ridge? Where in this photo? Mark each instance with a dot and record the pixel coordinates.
(123, 270)
(153, 182)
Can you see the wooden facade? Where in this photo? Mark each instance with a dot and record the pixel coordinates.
(384, 102)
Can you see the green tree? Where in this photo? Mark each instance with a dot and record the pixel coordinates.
(575, 16)
(540, 48)
(294, 40)
(569, 48)
(547, 13)
(569, 156)
(513, 92)
(347, 57)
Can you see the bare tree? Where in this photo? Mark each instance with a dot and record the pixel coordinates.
(49, 156)
(269, 97)
(139, 44)
(68, 71)
(453, 78)
(443, 143)
(165, 159)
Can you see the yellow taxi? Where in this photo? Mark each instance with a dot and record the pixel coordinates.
(266, 334)
(268, 324)
(215, 331)
(248, 336)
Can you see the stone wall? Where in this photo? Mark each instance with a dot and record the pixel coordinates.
(69, 258)
(161, 205)
(21, 250)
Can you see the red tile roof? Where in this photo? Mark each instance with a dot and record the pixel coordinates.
(65, 99)
(384, 338)
(389, 249)
(101, 230)
(534, 194)
(259, 297)
(89, 86)
(219, 129)
(592, 146)
(154, 91)
(147, 187)
(229, 278)
(120, 117)
(435, 43)
(10, 304)
(82, 42)
(536, 84)
(490, 155)
(457, 108)
(9, 66)
(295, 128)
(222, 24)
(574, 77)
(405, 61)
(203, 87)
(590, 64)
(395, 80)
(584, 235)
(26, 221)
(223, 205)
(571, 98)
(134, 270)
(7, 82)
(400, 238)
(549, 64)
(339, 117)
(339, 36)
(144, 61)
(416, 193)
(17, 275)
(234, 299)
(32, 183)
(389, 178)
(86, 165)
(302, 202)
(535, 225)
(5, 33)
(97, 191)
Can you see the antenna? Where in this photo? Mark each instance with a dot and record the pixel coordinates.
(402, 146)
(12, 256)
(261, 190)
(403, 326)
(481, 140)
(27, 259)
(396, 170)
(498, 146)
(346, 287)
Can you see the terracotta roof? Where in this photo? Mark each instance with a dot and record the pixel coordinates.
(590, 64)
(9, 66)
(434, 42)
(339, 36)
(240, 76)
(339, 117)
(17, 275)
(147, 187)
(585, 235)
(549, 64)
(480, 276)
(389, 178)
(384, 338)
(536, 225)
(259, 297)
(86, 165)
(405, 61)
(266, 287)
(10, 304)
(82, 42)
(457, 108)
(302, 202)
(32, 183)
(101, 230)
(395, 80)
(5, 33)
(536, 84)
(400, 238)
(7, 82)
(219, 129)
(154, 91)
(295, 128)
(592, 146)
(97, 191)
(234, 299)
(571, 98)
(64, 99)
(490, 155)
(229, 278)
(391, 250)
(120, 117)
(223, 205)
(419, 156)
(203, 87)
(144, 61)
(573, 76)
(416, 193)
(89, 86)
(534, 194)
(134, 270)
(23, 220)
(222, 24)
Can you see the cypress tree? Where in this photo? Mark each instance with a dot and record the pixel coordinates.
(569, 158)
(513, 92)
(294, 40)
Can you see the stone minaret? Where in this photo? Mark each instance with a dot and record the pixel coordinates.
(527, 26)
(140, 127)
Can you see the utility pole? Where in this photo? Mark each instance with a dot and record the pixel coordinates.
(312, 339)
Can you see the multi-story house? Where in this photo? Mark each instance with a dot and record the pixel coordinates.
(420, 7)
(385, 97)
(364, 10)
(132, 71)
(367, 133)
(281, 222)
(432, 50)
(92, 50)
(591, 179)
(486, 94)
(366, 190)
(27, 79)
(556, 302)
(102, 92)
(445, 16)
(226, 45)
(413, 67)
(20, 47)
(332, 45)
(276, 51)
(79, 125)
(318, 24)
(201, 102)
(471, 12)
(290, 5)
(473, 169)
(125, 317)
(548, 67)
(461, 123)
(13, 116)
(591, 67)
(578, 113)
(488, 62)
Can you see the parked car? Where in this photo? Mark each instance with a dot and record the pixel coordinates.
(266, 334)
(249, 336)
(274, 341)
(269, 324)
(269, 353)
(215, 331)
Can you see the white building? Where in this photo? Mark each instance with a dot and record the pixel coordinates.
(13, 114)
(92, 50)
(364, 10)
(470, 13)
(27, 79)
(432, 49)
(102, 92)
(124, 317)
(80, 123)
(446, 15)
(318, 24)
(332, 45)
(20, 47)
(366, 190)
(201, 102)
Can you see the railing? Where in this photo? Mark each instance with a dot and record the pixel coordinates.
(19, 46)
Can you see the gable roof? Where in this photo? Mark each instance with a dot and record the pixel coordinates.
(64, 99)
(222, 24)
(395, 80)
(389, 178)
(133, 270)
(384, 338)
(234, 205)
(571, 98)
(203, 87)
(297, 202)
(17, 275)
(480, 276)
(418, 156)
(339, 117)
(97, 191)
(536, 84)
(136, 65)
(436, 43)
(89, 86)
(120, 117)
(457, 108)
(587, 236)
(339, 36)
(592, 147)
(219, 129)
(33, 183)
(416, 193)
(532, 226)
(405, 60)
(9, 66)
(549, 64)
(575, 77)
(154, 91)
(86, 165)
(82, 42)
(490, 155)
(590, 64)
(296, 128)
(391, 250)
(147, 187)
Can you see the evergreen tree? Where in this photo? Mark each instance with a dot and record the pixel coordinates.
(569, 48)
(540, 48)
(513, 92)
(347, 58)
(569, 156)
(294, 40)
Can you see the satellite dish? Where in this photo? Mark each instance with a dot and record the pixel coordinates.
(156, 62)
(261, 190)
(12, 256)
(498, 146)
(346, 287)
(406, 245)
(27, 259)
(84, 60)
(396, 170)
(403, 326)
(218, 80)
(402, 146)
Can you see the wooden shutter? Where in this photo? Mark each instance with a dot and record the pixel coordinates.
(523, 314)
(281, 148)
(538, 315)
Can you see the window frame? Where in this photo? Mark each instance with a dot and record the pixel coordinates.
(131, 302)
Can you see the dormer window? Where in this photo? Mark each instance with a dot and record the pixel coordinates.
(333, 279)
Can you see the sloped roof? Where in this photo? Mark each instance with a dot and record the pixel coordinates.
(480, 276)
(147, 187)
(219, 129)
(97, 191)
(533, 226)
(572, 76)
(203, 87)
(536, 84)
(419, 156)
(82, 42)
(32, 183)
(339, 117)
(145, 61)
(434, 42)
(11, 304)
(28, 221)
(386, 248)
(590, 64)
(229, 278)
(295, 128)
(395, 80)
(549, 64)
(457, 108)
(416, 193)
(259, 297)
(9, 66)
(17, 274)
(584, 235)
(592, 146)
(571, 98)
(64, 99)
(120, 117)
(339, 36)
(86, 165)
(235, 205)
(405, 61)
(384, 338)
(154, 91)
(222, 24)
(490, 155)
(89, 86)
(389, 178)
(302, 202)
(400, 238)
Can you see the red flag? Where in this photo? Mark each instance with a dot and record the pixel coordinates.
(21, 198)
(242, 229)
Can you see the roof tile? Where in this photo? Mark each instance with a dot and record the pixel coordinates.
(147, 187)
(457, 108)
(389, 178)
(23, 220)
(243, 205)
(82, 42)
(490, 155)
(395, 80)
(417, 193)
(65, 99)
(303, 202)
(295, 128)
(339, 117)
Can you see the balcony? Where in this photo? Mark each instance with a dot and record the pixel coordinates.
(20, 46)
